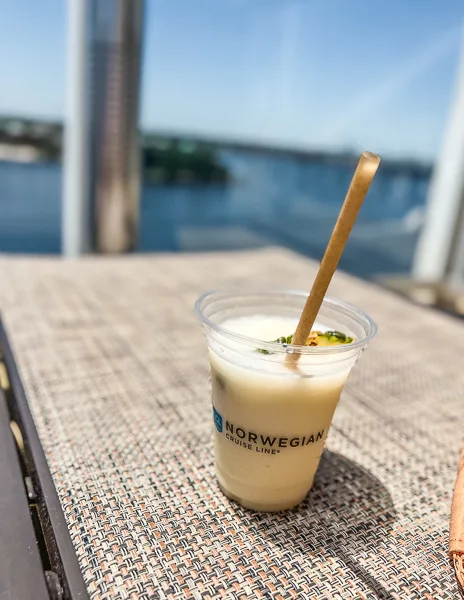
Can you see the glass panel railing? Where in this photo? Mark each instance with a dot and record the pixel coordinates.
(249, 197)
(253, 114)
(268, 123)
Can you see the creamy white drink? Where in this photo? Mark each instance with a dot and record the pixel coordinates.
(271, 421)
(273, 424)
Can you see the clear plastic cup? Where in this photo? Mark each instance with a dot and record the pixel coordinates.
(271, 421)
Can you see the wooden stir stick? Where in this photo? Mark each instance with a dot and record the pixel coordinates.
(362, 179)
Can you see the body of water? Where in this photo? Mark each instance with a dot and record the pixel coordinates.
(273, 200)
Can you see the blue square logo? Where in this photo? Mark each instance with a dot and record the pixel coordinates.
(217, 420)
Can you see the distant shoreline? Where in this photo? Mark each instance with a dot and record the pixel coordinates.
(28, 140)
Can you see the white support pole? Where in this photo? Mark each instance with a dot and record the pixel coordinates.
(446, 194)
(76, 210)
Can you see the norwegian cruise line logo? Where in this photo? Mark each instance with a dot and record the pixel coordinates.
(267, 444)
(217, 420)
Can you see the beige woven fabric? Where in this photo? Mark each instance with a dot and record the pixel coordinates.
(115, 369)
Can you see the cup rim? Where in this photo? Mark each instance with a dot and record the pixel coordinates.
(273, 347)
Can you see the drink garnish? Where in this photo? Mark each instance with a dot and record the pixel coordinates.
(315, 338)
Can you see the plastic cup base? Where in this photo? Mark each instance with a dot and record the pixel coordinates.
(259, 507)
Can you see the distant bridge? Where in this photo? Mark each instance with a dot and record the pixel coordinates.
(406, 166)
(44, 134)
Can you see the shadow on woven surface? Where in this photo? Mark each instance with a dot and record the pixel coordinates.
(348, 515)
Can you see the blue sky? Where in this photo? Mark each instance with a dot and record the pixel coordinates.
(371, 74)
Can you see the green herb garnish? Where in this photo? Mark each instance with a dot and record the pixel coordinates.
(280, 340)
(336, 336)
(316, 338)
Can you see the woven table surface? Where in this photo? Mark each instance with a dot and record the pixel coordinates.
(115, 369)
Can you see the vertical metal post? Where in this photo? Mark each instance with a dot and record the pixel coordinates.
(434, 260)
(101, 154)
(116, 42)
(75, 215)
